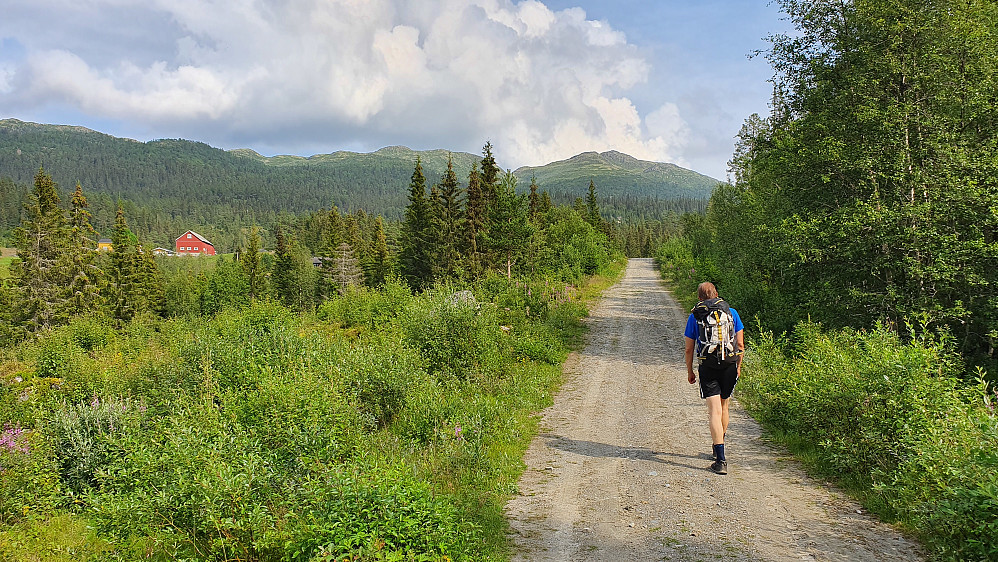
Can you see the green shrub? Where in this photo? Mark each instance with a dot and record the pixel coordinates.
(366, 308)
(29, 475)
(890, 420)
(198, 483)
(458, 339)
(90, 333)
(379, 515)
(85, 437)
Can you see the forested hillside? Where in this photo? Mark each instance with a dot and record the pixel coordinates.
(168, 186)
(623, 180)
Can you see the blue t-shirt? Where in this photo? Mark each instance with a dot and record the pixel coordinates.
(693, 333)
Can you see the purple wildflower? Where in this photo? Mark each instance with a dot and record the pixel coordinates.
(12, 439)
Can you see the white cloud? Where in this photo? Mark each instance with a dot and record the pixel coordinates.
(542, 85)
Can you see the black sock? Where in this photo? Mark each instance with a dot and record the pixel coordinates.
(719, 452)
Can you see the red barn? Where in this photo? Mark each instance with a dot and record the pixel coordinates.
(192, 243)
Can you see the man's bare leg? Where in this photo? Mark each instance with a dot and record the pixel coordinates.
(717, 415)
(724, 418)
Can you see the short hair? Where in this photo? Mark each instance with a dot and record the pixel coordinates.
(706, 290)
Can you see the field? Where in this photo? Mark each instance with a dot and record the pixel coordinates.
(6, 256)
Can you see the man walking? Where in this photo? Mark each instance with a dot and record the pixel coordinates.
(714, 334)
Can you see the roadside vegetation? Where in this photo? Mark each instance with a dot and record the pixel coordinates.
(858, 243)
(279, 407)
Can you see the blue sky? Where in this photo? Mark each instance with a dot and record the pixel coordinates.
(667, 81)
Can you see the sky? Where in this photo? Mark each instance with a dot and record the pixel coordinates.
(666, 80)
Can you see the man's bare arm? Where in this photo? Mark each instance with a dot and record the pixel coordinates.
(690, 376)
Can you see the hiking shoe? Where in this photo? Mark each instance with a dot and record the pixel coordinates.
(719, 467)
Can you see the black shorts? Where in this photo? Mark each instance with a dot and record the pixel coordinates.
(718, 379)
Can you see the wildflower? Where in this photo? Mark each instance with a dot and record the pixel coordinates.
(457, 433)
(12, 439)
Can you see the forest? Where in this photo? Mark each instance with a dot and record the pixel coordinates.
(859, 236)
(169, 186)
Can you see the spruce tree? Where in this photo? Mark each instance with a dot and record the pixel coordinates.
(490, 174)
(151, 293)
(509, 228)
(295, 279)
(84, 276)
(415, 253)
(124, 281)
(377, 270)
(534, 201)
(476, 217)
(42, 273)
(347, 269)
(250, 260)
(435, 233)
(282, 275)
(592, 208)
(450, 222)
(546, 203)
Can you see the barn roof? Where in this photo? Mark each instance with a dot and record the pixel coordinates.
(196, 235)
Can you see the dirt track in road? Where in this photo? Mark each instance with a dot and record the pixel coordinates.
(619, 470)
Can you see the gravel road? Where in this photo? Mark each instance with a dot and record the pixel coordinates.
(619, 470)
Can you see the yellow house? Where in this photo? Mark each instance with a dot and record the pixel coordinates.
(104, 245)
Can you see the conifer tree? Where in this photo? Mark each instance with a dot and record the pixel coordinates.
(41, 274)
(450, 222)
(250, 260)
(377, 269)
(546, 204)
(509, 228)
(84, 275)
(490, 174)
(360, 234)
(415, 253)
(294, 277)
(334, 228)
(534, 201)
(476, 217)
(125, 289)
(151, 293)
(281, 276)
(347, 269)
(434, 232)
(592, 208)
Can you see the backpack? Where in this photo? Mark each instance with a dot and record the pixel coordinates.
(715, 332)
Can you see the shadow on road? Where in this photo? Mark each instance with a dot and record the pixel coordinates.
(605, 450)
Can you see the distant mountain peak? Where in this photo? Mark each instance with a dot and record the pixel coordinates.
(395, 150)
(619, 174)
